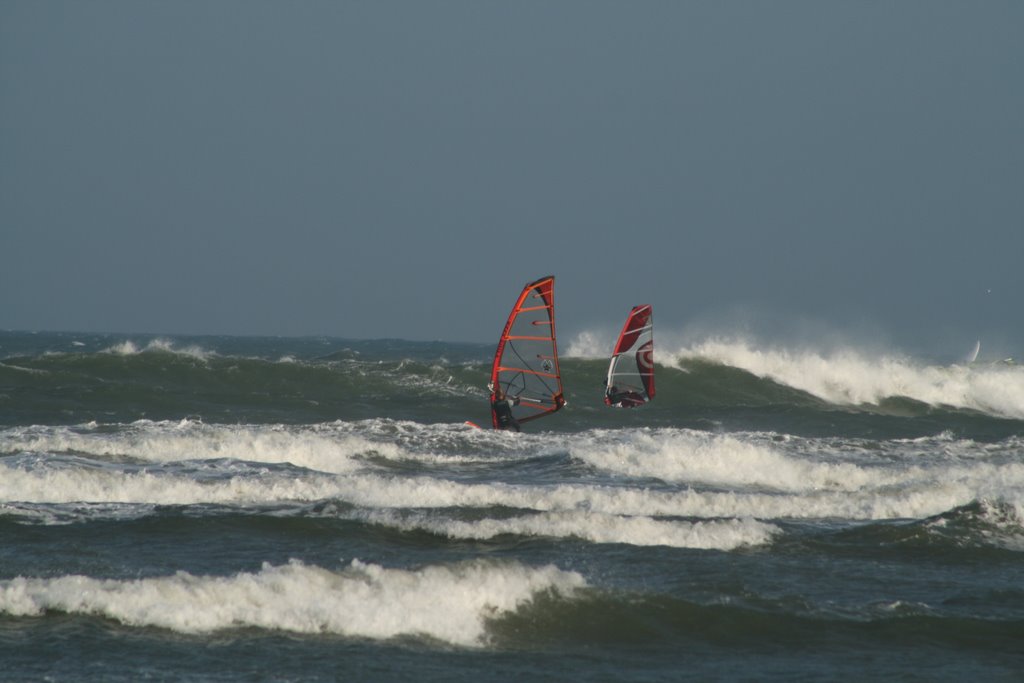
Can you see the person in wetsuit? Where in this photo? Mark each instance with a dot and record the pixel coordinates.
(623, 398)
(502, 407)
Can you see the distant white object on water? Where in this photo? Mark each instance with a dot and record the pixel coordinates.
(973, 355)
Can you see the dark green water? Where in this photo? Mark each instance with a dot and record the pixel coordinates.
(316, 509)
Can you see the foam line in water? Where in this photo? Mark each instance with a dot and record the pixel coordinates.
(922, 493)
(164, 442)
(676, 455)
(112, 485)
(337, 447)
(759, 475)
(450, 603)
(592, 526)
(913, 499)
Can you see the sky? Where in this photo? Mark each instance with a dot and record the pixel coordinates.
(401, 169)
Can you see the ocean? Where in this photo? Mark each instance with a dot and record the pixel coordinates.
(178, 508)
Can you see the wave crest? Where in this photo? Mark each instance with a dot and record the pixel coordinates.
(130, 348)
(851, 377)
(450, 603)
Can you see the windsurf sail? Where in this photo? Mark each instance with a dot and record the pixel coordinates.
(630, 380)
(525, 369)
(973, 355)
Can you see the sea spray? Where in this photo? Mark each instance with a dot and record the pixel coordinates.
(851, 377)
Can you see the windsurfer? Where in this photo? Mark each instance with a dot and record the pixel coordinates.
(502, 407)
(630, 381)
(623, 398)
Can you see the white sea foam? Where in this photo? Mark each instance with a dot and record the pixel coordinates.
(1007, 524)
(592, 526)
(125, 348)
(94, 492)
(30, 371)
(163, 442)
(336, 447)
(704, 476)
(850, 377)
(920, 493)
(591, 344)
(450, 603)
(130, 348)
(60, 515)
(912, 500)
(722, 460)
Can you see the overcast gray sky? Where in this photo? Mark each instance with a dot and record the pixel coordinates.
(401, 169)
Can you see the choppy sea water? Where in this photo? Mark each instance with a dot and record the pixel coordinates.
(217, 508)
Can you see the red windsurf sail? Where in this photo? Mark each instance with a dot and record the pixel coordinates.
(525, 369)
(630, 380)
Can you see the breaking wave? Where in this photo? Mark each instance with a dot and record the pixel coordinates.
(130, 348)
(671, 487)
(448, 603)
(853, 378)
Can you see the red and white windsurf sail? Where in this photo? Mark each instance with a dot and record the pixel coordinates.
(630, 380)
(526, 362)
